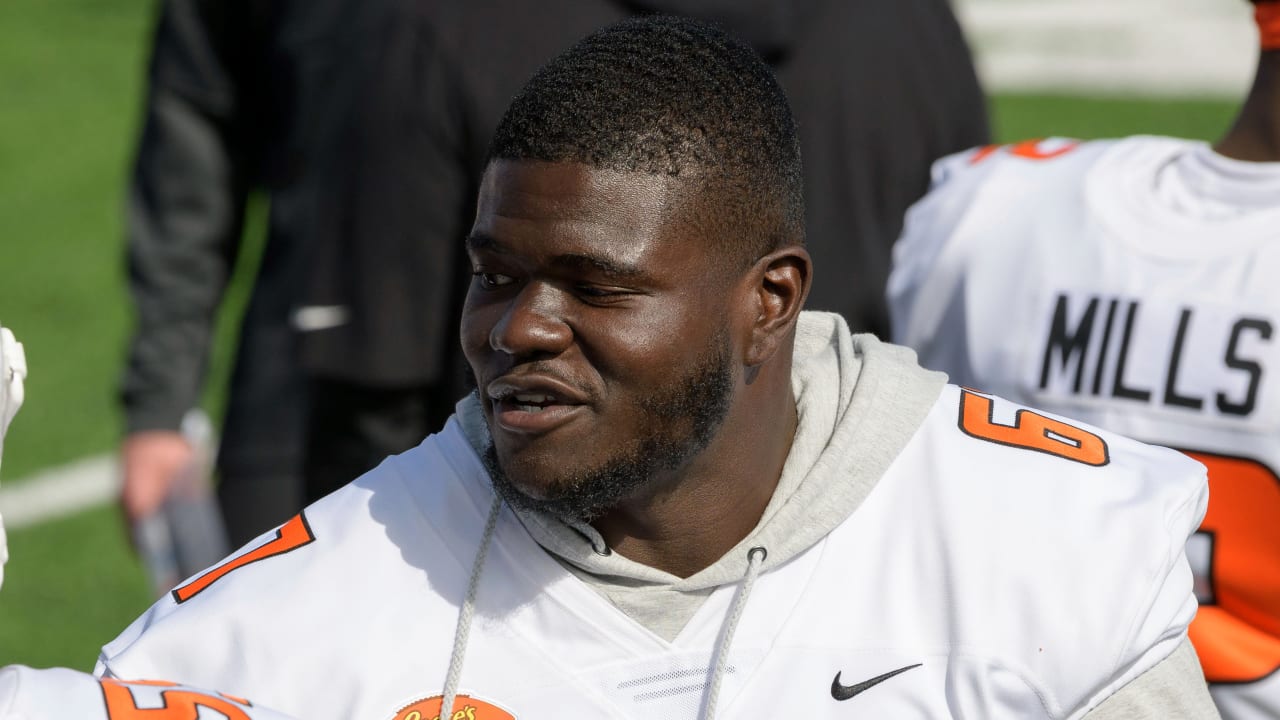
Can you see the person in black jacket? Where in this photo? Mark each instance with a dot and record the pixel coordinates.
(366, 124)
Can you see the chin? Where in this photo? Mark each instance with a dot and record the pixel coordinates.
(534, 486)
(536, 474)
(571, 494)
(532, 480)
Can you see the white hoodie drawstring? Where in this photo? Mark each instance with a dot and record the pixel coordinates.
(755, 559)
(467, 612)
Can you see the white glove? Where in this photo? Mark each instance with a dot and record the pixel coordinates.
(13, 370)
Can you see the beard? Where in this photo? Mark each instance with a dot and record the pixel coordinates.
(675, 425)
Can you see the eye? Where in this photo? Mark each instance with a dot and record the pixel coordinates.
(594, 291)
(601, 294)
(492, 281)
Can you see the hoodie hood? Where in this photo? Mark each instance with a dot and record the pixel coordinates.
(770, 26)
(844, 443)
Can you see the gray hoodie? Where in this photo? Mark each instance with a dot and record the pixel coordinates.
(836, 379)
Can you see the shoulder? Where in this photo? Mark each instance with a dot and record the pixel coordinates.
(1039, 157)
(975, 198)
(1044, 169)
(1000, 446)
(967, 182)
(1055, 530)
(410, 522)
(992, 214)
(1035, 158)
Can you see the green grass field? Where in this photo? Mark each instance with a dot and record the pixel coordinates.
(70, 81)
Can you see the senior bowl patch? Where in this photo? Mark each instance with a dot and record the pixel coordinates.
(465, 707)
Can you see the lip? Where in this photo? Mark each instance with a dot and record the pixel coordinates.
(510, 419)
(566, 403)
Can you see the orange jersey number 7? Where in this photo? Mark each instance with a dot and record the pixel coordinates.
(291, 536)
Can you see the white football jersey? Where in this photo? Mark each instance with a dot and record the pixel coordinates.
(59, 694)
(1079, 278)
(956, 590)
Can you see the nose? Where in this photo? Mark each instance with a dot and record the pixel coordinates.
(532, 325)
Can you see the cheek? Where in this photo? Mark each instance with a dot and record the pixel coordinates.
(631, 355)
(642, 359)
(669, 327)
(477, 322)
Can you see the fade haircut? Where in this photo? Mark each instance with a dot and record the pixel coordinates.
(676, 97)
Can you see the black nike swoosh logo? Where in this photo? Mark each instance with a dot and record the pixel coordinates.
(844, 692)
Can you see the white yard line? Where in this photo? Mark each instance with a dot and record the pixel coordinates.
(59, 492)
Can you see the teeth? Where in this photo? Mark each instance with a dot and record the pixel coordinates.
(532, 398)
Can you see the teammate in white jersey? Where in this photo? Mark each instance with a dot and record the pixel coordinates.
(1131, 284)
(675, 495)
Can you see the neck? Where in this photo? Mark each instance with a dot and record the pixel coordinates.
(1255, 134)
(717, 499)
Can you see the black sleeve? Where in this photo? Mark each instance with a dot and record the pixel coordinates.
(402, 180)
(185, 206)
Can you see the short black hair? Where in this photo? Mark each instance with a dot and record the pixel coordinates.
(678, 97)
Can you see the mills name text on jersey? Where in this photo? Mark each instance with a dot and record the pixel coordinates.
(1106, 346)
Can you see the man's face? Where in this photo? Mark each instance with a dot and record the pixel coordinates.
(596, 326)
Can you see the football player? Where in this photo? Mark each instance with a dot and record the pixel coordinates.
(675, 494)
(1131, 284)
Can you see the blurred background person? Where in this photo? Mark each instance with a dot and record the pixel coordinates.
(366, 124)
(1131, 284)
(245, 97)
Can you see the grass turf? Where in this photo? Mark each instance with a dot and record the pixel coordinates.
(1018, 117)
(70, 83)
(70, 586)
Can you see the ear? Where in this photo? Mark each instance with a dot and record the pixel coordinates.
(779, 285)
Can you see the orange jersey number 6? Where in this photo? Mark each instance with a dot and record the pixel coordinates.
(1030, 430)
